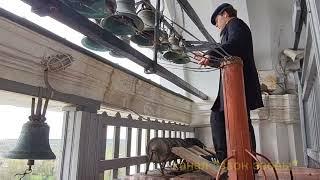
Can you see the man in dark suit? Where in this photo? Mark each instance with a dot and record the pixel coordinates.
(236, 40)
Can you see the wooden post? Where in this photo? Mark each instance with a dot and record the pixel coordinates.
(81, 145)
(236, 120)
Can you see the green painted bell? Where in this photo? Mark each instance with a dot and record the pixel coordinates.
(33, 143)
(93, 45)
(125, 21)
(177, 57)
(92, 8)
(144, 38)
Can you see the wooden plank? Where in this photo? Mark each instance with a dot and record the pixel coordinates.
(211, 150)
(199, 149)
(156, 132)
(128, 147)
(148, 131)
(102, 133)
(202, 163)
(125, 122)
(163, 130)
(116, 146)
(193, 176)
(299, 173)
(122, 162)
(139, 145)
(184, 135)
(194, 151)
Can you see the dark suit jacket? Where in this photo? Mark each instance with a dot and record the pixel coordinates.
(237, 41)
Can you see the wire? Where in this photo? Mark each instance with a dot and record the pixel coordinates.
(194, 70)
(226, 53)
(174, 65)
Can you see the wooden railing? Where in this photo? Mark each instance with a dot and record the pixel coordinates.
(140, 129)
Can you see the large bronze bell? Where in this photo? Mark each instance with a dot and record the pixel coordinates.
(93, 8)
(125, 21)
(33, 143)
(145, 38)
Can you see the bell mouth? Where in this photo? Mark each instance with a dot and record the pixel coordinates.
(176, 57)
(94, 10)
(144, 39)
(123, 24)
(93, 45)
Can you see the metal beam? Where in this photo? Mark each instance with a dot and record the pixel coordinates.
(70, 17)
(44, 32)
(195, 18)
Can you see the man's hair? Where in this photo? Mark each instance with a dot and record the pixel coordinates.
(231, 12)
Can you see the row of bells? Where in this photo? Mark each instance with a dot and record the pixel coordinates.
(120, 18)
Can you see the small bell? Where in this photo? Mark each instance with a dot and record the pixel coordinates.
(145, 38)
(33, 143)
(177, 57)
(176, 53)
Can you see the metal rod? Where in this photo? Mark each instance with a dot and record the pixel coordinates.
(68, 16)
(156, 32)
(195, 18)
(39, 104)
(45, 106)
(32, 106)
(221, 166)
(269, 161)
(255, 158)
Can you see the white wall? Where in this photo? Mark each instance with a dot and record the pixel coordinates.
(270, 23)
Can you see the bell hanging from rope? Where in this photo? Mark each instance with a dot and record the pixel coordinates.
(115, 53)
(164, 42)
(92, 8)
(145, 38)
(33, 143)
(125, 21)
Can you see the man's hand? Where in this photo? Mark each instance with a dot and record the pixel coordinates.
(202, 59)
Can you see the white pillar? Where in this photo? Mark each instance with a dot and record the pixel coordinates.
(81, 147)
